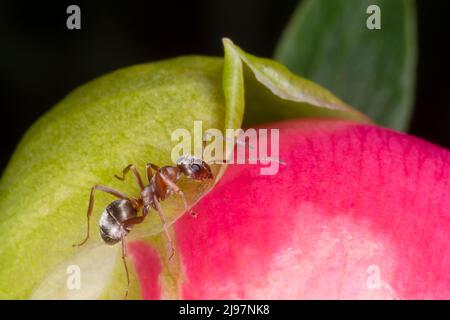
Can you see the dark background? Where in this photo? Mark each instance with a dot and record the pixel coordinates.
(41, 60)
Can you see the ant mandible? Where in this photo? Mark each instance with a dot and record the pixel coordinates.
(121, 215)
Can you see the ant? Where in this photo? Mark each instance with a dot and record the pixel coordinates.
(121, 215)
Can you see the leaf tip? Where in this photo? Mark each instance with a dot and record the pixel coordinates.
(227, 42)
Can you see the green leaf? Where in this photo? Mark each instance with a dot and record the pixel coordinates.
(273, 93)
(126, 117)
(374, 70)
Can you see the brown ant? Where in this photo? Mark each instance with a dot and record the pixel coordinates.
(121, 215)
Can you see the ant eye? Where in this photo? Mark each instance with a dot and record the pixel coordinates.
(195, 168)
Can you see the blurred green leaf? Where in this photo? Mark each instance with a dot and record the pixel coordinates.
(374, 70)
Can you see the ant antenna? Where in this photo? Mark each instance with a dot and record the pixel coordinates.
(238, 141)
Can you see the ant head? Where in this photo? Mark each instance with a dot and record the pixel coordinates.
(194, 168)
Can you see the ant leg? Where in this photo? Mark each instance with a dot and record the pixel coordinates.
(175, 189)
(124, 259)
(164, 223)
(149, 168)
(131, 167)
(125, 225)
(154, 166)
(109, 190)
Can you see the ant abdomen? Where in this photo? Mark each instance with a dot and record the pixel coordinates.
(111, 225)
